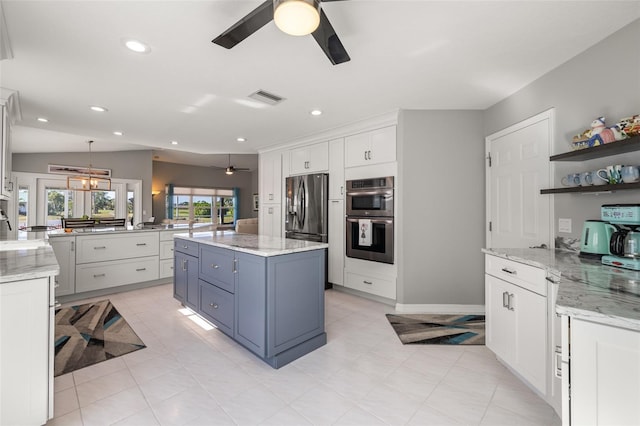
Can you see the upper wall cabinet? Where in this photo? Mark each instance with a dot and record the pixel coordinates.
(309, 159)
(270, 178)
(373, 147)
(6, 186)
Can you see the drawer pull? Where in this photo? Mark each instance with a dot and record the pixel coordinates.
(214, 266)
(509, 271)
(367, 282)
(141, 269)
(213, 305)
(100, 248)
(98, 275)
(185, 247)
(141, 244)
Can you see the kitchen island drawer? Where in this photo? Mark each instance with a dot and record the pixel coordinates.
(217, 266)
(96, 276)
(217, 305)
(378, 286)
(186, 247)
(520, 274)
(101, 248)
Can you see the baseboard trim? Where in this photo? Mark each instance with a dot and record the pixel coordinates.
(439, 309)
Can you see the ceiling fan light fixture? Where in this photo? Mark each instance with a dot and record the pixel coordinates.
(296, 17)
(229, 170)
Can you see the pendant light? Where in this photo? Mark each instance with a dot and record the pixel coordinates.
(89, 181)
(296, 17)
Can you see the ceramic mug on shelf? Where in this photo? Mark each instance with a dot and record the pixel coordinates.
(612, 173)
(598, 179)
(572, 179)
(630, 174)
(586, 179)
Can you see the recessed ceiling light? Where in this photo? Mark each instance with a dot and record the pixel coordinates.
(137, 46)
(97, 108)
(174, 142)
(316, 112)
(42, 120)
(117, 133)
(240, 140)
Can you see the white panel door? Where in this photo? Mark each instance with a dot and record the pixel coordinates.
(519, 215)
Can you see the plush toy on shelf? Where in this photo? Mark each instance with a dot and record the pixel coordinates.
(598, 134)
(631, 125)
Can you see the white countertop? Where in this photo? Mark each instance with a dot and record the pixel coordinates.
(26, 260)
(128, 229)
(259, 245)
(587, 289)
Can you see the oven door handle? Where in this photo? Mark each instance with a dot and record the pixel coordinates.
(385, 220)
(386, 193)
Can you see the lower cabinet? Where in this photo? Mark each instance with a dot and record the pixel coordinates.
(335, 258)
(604, 374)
(101, 275)
(25, 344)
(517, 318)
(64, 249)
(270, 222)
(185, 281)
(273, 306)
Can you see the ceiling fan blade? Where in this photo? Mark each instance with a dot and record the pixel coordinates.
(328, 40)
(248, 25)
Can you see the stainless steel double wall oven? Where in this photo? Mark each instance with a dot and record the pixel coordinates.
(370, 218)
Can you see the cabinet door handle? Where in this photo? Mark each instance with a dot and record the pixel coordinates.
(509, 271)
(342, 190)
(365, 155)
(98, 275)
(100, 248)
(368, 155)
(213, 305)
(214, 266)
(505, 299)
(141, 269)
(73, 245)
(558, 362)
(367, 282)
(141, 244)
(511, 298)
(57, 304)
(184, 264)
(235, 266)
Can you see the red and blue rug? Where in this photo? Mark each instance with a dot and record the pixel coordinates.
(439, 329)
(91, 333)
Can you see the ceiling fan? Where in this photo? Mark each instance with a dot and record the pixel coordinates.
(232, 169)
(289, 16)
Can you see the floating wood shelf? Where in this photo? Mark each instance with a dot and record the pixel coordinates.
(592, 189)
(613, 148)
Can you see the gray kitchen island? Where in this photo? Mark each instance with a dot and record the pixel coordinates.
(265, 293)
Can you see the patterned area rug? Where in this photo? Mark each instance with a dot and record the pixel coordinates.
(439, 329)
(91, 333)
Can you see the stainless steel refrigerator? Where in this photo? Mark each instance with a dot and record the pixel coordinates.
(307, 201)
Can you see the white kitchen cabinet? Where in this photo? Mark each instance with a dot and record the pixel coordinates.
(65, 251)
(516, 318)
(372, 284)
(270, 176)
(309, 159)
(372, 147)
(270, 222)
(100, 248)
(336, 241)
(336, 169)
(604, 363)
(6, 185)
(25, 378)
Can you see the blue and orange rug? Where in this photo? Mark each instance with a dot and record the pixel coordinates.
(91, 333)
(439, 329)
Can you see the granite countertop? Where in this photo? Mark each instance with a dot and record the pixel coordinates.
(587, 289)
(128, 229)
(259, 245)
(26, 260)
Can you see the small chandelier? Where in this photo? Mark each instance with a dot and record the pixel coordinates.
(89, 181)
(297, 17)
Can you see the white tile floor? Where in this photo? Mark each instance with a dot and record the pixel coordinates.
(362, 376)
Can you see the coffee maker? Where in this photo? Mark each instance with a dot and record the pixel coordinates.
(624, 244)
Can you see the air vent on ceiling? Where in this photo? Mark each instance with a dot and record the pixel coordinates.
(266, 97)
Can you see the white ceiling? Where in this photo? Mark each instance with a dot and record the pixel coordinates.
(417, 54)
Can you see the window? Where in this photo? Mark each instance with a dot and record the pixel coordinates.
(103, 204)
(59, 204)
(23, 207)
(202, 205)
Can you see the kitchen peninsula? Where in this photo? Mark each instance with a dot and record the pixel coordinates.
(598, 355)
(266, 293)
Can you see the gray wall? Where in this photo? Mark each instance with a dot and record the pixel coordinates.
(123, 165)
(195, 176)
(602, 81)
(441, 217)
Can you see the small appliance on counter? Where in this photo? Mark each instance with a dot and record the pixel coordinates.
(596, 235)
(624, 244)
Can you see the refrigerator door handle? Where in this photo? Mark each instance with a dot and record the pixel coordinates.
(301, 200)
